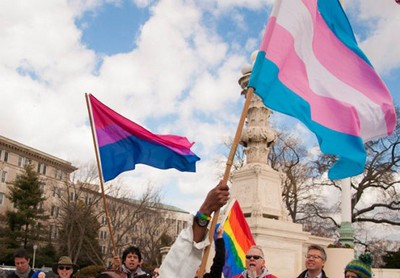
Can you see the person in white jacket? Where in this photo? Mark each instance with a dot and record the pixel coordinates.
(184, 257)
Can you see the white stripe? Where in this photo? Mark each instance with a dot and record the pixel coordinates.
(323, 83)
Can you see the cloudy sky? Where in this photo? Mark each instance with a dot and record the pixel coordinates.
(171, 66)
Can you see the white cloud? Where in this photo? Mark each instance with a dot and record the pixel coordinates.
(381, 45)
(182, 78)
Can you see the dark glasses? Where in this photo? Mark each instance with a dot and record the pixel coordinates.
(248, 257)
(61, 267)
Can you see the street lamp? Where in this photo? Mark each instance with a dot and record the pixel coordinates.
(34, 255)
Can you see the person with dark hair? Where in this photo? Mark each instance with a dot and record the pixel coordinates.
(315, 262)
(112, 274)
(360, 268)
(185, 255)
(23, 269)
(131, 263)
(156, 272)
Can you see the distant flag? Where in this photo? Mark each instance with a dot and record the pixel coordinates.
(238, 240)
(310, 67)
(122, 144)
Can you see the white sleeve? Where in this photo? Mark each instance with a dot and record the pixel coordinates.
(184, 257)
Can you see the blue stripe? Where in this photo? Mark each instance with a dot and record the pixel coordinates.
(336, 19)
(275, 95)
(124, 154)
(232, 267)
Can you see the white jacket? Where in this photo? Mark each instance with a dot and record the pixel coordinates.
(184, 257)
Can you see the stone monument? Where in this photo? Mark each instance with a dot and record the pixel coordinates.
(257, 187)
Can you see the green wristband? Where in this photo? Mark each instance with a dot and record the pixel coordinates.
(203, 216)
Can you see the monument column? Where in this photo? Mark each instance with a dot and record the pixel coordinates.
(257, 187)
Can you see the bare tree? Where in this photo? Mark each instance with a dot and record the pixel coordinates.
(79, 225)
(378, 249)
(303, 200)
(156, 226)
(375, 197)
(141, 221)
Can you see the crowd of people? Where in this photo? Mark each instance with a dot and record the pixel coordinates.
(184, 258)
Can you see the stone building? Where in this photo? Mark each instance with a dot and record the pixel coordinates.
(57, 188)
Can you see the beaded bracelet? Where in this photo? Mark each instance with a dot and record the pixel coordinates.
(203, 216)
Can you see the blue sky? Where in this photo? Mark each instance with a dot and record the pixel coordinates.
(172, 66)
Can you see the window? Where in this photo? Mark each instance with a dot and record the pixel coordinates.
(56, 192)
(58, 175)
(1, 198)
(54, 211)
(53, 231)
(41, 169)
(23, 161)
(103, 220)
(72, 197)
(103, 249)
(88, 200)
(179, 226)
(3, 176)
(103, 235)
(3, 155)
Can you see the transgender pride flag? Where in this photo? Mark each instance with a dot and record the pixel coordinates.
(122, 144)
(310, 67)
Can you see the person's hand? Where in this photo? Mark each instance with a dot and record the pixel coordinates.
(220, 231)
(215, 199)
(42, 275)
(116, 265)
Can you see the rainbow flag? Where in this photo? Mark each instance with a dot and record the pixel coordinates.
(122, 144)
(310, 67)
(238, 240)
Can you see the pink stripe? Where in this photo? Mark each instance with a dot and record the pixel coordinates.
(112, 127)
(328, 112)
(350, 68)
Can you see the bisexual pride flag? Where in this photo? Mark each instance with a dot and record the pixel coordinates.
(309, 66)
(238, 240)
(122, 144)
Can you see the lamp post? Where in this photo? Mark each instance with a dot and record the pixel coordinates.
(34, 255)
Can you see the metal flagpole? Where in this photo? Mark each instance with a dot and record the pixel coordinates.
(346, 230)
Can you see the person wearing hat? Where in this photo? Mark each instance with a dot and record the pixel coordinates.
(360, 268)
(64, 268)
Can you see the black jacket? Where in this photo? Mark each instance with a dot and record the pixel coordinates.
(303, 274)
(218, 261)
(13, 275)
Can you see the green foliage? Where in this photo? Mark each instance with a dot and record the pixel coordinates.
(45, 256)
(338, 244)
(166, 240)
(392, 259)
(22, 223)
(89, 271)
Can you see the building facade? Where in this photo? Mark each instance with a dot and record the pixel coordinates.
(132, 225)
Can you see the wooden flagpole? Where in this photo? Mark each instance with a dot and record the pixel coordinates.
(249, 96)
(103, 195)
